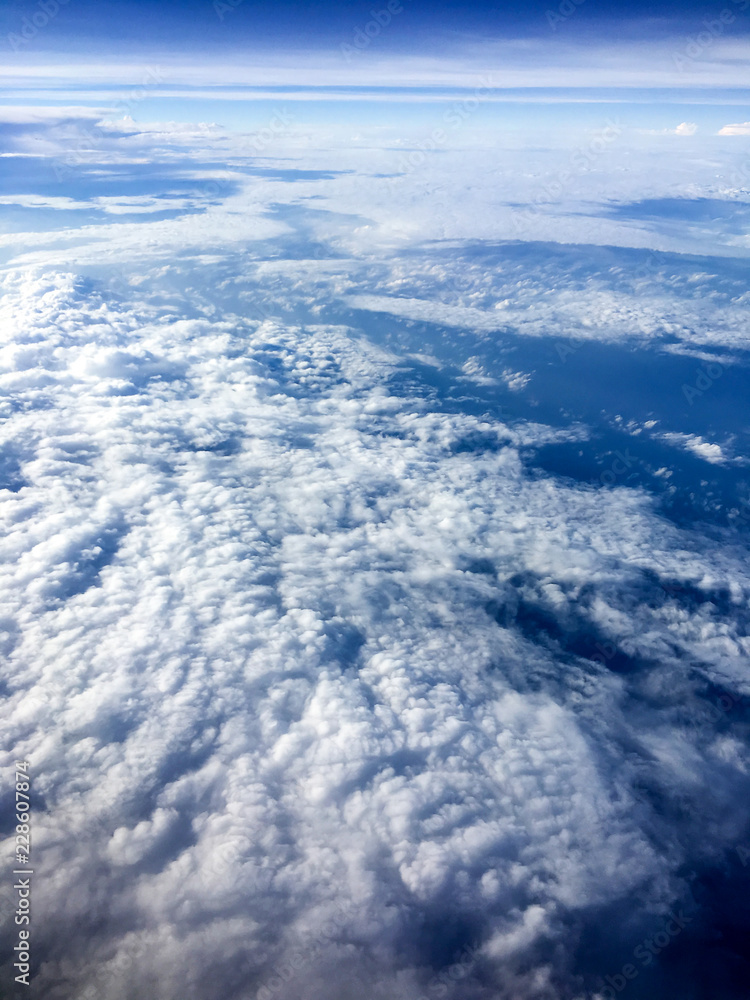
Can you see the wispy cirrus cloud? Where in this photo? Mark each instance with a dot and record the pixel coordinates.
(513, 63)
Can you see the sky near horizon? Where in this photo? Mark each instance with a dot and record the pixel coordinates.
(696, 51)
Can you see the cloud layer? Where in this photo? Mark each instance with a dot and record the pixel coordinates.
(328, 689)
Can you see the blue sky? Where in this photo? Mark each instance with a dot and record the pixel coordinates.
(204, 28)
(90, 53)
(293, 24)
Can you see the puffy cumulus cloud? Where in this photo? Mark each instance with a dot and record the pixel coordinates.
(516, 381)
(326, 688)
(324, 694)
(694, 442)
(684, 128)
(739, 128)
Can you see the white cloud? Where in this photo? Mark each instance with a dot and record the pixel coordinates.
(319, 684)
(516, 381)
(24, 114)
(684, 128)
(706, 450)
(505, 194)
(251, 663)
(523, 62)
(742, 128)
